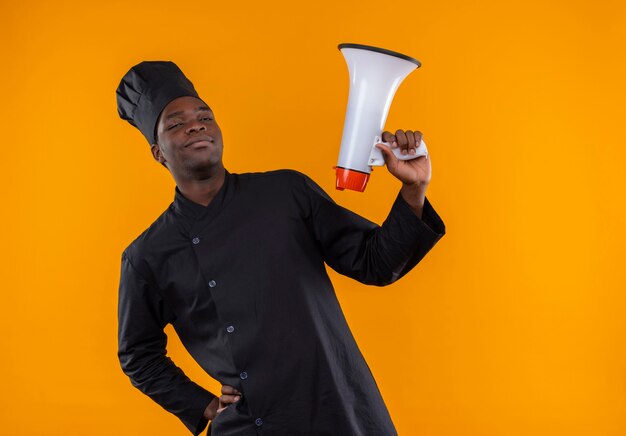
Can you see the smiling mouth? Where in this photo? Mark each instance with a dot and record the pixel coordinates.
(201, 143)
(205, 140)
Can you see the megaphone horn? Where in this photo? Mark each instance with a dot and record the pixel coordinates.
(375, 75)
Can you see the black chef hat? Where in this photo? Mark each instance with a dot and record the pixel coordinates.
(146, 89)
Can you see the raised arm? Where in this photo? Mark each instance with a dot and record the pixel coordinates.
(365, 251)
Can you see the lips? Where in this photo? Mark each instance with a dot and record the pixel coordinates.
(198, 139)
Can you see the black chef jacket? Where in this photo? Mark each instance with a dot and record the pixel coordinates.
(243, 283)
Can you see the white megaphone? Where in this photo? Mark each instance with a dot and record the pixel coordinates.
(375, 75)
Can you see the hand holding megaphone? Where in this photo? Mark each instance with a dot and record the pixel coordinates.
(406, 167)
(411, 143)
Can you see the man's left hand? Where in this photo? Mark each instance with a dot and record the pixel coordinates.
(414, 172)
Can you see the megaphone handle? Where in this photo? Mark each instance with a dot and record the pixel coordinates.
(376, 156)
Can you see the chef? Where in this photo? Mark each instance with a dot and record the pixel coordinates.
(237, 265)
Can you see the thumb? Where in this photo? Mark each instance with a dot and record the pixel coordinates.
(390, 159)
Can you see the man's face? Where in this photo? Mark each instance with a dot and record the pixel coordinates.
(189, 139)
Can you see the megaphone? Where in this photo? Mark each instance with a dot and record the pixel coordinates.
(375, 75)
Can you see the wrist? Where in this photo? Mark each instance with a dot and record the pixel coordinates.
(415, 186)
(414, 195)
(414, 192)
(211, 409)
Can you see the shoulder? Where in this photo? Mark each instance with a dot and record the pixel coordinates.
(273, 182)
(279, 188)
(143, 244)
(274, 176)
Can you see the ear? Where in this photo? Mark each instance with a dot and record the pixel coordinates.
(157, 153)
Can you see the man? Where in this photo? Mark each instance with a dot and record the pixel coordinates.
(237, 265)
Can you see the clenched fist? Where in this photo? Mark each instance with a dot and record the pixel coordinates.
(410, 172)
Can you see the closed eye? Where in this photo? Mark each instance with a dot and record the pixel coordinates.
(178, 124)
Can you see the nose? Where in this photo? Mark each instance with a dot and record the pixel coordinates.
(195, 126)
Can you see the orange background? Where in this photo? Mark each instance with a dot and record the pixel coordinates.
(512, 325)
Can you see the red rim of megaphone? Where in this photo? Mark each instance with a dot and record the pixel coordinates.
(351, 179)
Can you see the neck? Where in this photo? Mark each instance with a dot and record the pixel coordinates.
(202, 191)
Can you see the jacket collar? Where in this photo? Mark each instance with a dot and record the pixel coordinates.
(195, 210)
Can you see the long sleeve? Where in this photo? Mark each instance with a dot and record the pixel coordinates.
(142, 342)
(372, 254)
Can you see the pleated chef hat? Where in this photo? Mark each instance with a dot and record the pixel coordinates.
(146, 89)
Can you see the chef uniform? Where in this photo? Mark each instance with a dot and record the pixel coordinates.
(244, 284)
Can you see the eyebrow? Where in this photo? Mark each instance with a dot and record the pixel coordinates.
(198, 109)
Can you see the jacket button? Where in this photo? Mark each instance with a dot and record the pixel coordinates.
(212, 284)
(195, 241)
(230, 329)
(258, 422)
(243, 375)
